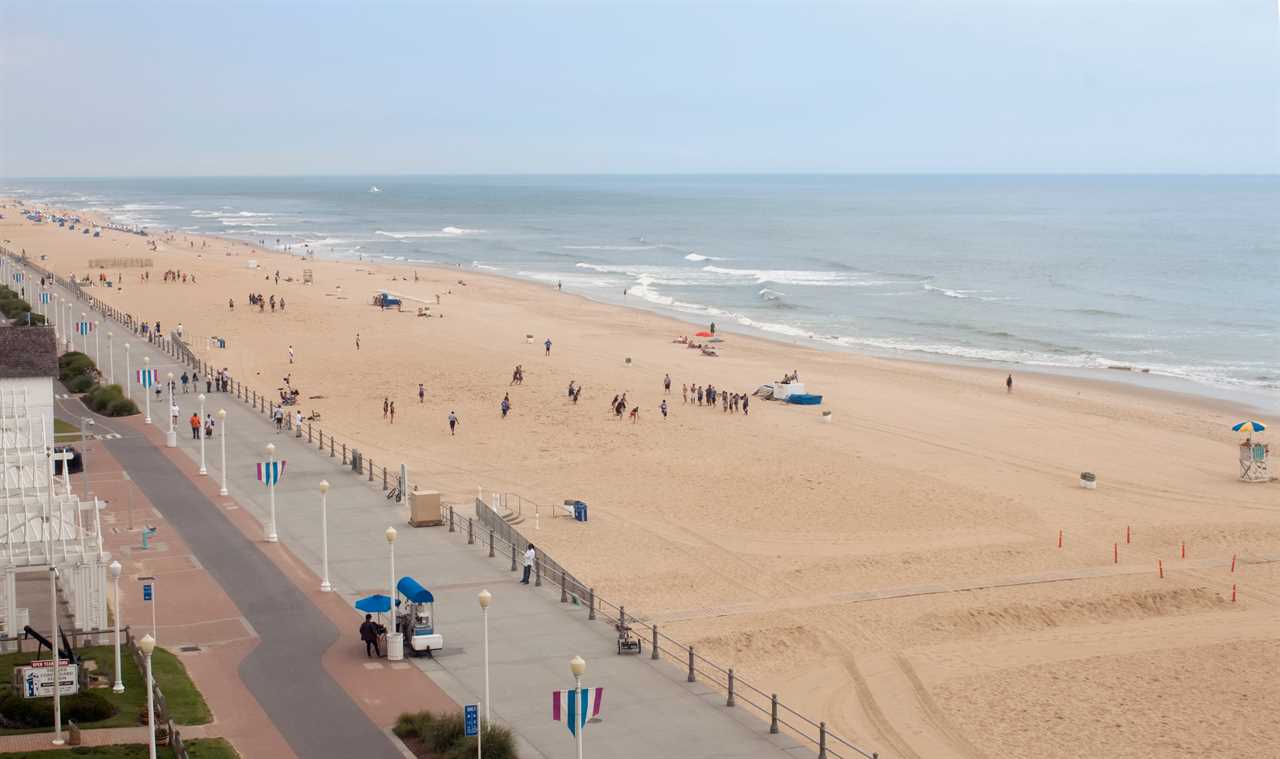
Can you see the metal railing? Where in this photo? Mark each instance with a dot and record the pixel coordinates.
(504, 537)
(499, 531)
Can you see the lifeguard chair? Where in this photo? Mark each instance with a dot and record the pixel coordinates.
(1254, 463)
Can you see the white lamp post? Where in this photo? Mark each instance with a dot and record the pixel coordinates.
(146, 391)
(128, 383)
(485, 599)
(148, 644)
(203, 469)
(111, 360)
(53, 646)
(395, 643)
(222, 422)
(325, 586)
(97, 345)
(577, 666)
(272, 537)
(171, 437)
(115, 578)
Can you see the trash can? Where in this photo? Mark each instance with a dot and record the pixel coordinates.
(580, 511)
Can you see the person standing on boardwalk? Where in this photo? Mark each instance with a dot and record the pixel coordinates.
(195, 426)
(1008, 384)
(530, 555)
(547, 345)
(369, 634)
(453, 423)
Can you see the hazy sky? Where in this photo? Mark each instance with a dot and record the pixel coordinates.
(181, 88)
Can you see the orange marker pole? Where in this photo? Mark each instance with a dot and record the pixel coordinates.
(1233, 563)
(1128, 535)
(1184, 549)
(1059, 538)
(1115, 553)
(1160, 567)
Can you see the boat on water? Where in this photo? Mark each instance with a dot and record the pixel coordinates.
(374, 188)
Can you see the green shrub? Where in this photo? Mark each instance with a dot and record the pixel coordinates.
(81, 383)
(442, 734)
(83, 707)
(73, 364)
(122, 407)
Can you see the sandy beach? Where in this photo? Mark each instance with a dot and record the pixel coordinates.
(894, 571)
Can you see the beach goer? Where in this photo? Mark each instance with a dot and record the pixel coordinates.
(185, 380)
(393, 412)
(369, 634)
(570, 388)
(577, 394)
(663, 408)
(666, 384)
(386, 406)
(208, 426)
(422, 393)
(357, 341)
(529, 556)
(279, 417)
(746, 402)
(1008, 384)
(713, 328)
(291, 354)
(195, 426)
(453, 423)
(231, 303)
(684, 393)
(297, 420)
(506, 405)
(547, 344)
(635, 414)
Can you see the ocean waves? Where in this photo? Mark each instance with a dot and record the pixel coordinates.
(442, 233)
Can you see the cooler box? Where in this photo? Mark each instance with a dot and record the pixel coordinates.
(580, 511)
(424, 508)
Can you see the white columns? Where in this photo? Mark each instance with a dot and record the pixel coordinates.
(118, 687)
(222, 422)
(325, 585)
(203, 469)
(171, 437)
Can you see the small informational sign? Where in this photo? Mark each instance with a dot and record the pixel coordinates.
(37, 679)
(471, 718)
(146, 591)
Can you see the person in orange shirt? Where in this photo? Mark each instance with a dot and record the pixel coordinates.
(195, 426)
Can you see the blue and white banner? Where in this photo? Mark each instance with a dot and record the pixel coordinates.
(148, 377)
(573, 706)
(270, 472)
(84, 328)
(44, 299)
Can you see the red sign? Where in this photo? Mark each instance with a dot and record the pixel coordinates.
(49, 663)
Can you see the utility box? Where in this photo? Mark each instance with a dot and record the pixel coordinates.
(424, 508)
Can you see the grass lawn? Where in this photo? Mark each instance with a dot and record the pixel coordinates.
(186, 705)
(209, 748)
(64, 428)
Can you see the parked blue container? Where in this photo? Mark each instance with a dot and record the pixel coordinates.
(580, 511)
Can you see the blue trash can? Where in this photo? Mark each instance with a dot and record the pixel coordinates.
(580, 511)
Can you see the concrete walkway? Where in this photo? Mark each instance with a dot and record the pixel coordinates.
(648, 708)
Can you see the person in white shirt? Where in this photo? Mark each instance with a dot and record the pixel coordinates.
(529, 556)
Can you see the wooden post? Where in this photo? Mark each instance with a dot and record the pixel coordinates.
(384, 481)
(491, 542)
(691, 677)
(564, 591)
(822, 740)
(370, 468)
(451, 519)
(654, 653)
(729, 701)
(591, 603)
(471, 534)
(513, 557)
(537, 571)
(308, 433)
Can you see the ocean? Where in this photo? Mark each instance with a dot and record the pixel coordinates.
(1166, 280)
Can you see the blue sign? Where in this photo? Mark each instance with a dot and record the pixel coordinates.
(146, 591)
(471, 716)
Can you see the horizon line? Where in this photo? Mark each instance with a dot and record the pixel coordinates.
(745, 173)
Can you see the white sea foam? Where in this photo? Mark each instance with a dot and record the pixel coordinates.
(487, 267)
(435, 233)
(608, 247)
(961, 294)
(700, 257)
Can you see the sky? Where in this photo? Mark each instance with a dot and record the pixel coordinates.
(892, 86)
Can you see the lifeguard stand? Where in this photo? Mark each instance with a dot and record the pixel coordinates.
(1254, 464)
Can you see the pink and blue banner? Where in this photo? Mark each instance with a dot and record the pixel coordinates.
(574, 707)
(84, 328)
(270, 472)
(148, 377)
(44, 299)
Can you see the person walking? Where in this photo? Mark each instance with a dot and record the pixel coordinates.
(547, 345)
(291, 354)
(278, 415)
(453, 423)
(393, 412)
(666, 384)
(422, 393)
(369, 634)
(506, 405)
(1008, 384)
(185, 380)
(357, 341)
(386, 406)
(663, 407)
(530, 555)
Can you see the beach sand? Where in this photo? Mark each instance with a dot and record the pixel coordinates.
(894, 572)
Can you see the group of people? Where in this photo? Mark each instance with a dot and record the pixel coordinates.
(175, 275)
(257, 299)
(709, 394)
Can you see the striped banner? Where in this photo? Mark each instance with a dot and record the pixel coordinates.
(84, 328)
(565, 706)
(270, 472)
(17, 277)
(44, 299)
(148, 377)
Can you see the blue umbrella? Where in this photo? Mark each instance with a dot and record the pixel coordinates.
(1249, 426)
(375, 604)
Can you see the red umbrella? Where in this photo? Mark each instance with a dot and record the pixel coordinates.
(703, 333)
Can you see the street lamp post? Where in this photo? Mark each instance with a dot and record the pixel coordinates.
(146, 391)
(577, 666)
(53, 647)
(148, 644)
(395, 643)
(325, 585)
(97, 344)
(222, 422)
(115, 578)
(203, 469)
(111, 360)
(171, 437)
(272, 537)
(128, 383)
(485, 599)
